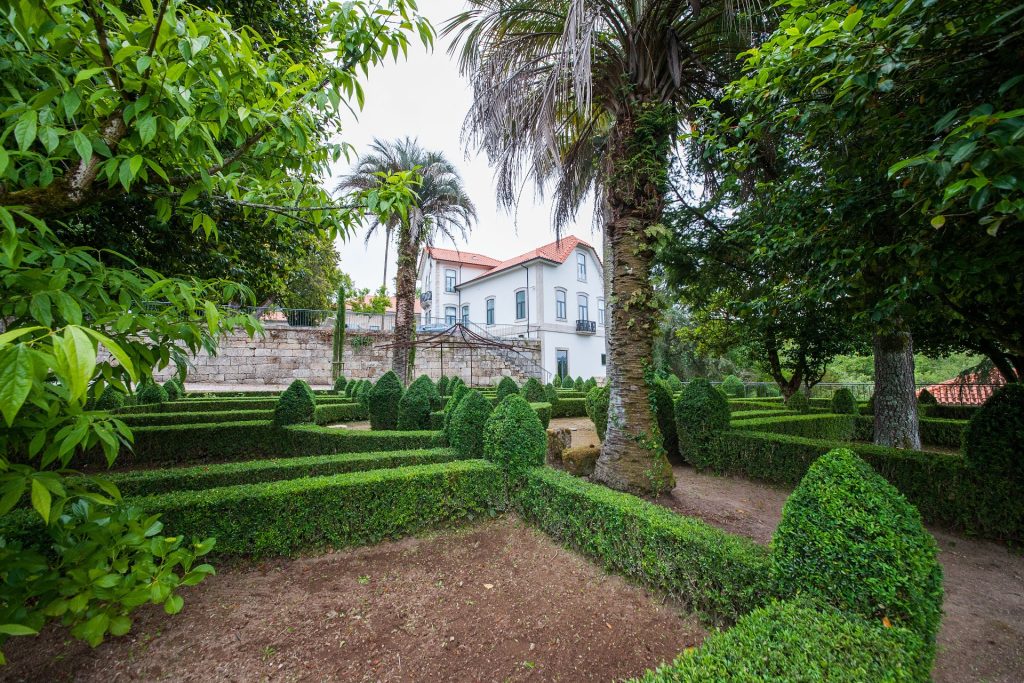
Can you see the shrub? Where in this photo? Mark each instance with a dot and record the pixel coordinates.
(597, 409)
(533, 391)
(414, 407)
(994, 439)
(449, 408)
(792, 641)
(569, 407)
(664, 412)
(297, 405)
(506, 387)
(557, 382)
(675, 384)
(815, 426)
(514, 437)
(442, 385)
(175, 390)
(382, 401)
(453, 384)
(589, 384)
(543, 410)
(799, 402)
(340, 384)
(112, 398)
(152, 392)
(843, 402)
(700, 412)
(430, 388)
(551, 395)
(733, 386)
(761, 390)
(870, 405)
(466, 431)
(849, 539)
(578, 385)
(351, 387)
(925, 398)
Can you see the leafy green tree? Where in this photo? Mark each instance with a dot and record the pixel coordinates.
(584, 97)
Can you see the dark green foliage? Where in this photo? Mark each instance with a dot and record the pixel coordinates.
(761, 390)
(382, 401)
(700, 412)
(940, 433)
(442, 385)
(597, 409)
(532, 391)
(951, 412)
(569, 407)
(428, 385)
(925, 398)
(333, 413)
(112, 398)
(363, 394)
(151, 392)
(832, 427)
(506, 387)
(214, 405)
(514, 437)
(175, 390)
(799, 402)
(551, 395)
(848, 538)
(466, 430)
(589, 384)
(415, 406)
(871, 404)
(790, 641)
(664, 411)
(733, 386)
(340, 384)
(453, 383)
(843, 402)
(449, 407)
(994, 439)
(543, 410)
(358, 508)
(557, 382)
(153, 481)
(297, 405)
(351, 387)
(720, 575)
(578, 385)
(675, 384)
(751, 404)
(186, 418)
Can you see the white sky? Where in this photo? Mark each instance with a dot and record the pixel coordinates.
(425, 97)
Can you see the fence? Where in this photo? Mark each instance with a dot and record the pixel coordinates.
(951, 392)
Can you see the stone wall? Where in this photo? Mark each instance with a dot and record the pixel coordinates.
(286, 353)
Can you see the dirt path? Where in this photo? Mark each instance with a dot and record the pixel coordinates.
(498, 601)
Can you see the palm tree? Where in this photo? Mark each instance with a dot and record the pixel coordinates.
(442, 209)
(586, 96)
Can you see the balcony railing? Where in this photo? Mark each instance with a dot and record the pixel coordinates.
(586, 327)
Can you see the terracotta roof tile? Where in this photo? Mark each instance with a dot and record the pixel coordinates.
(466, 257)
(557, 251)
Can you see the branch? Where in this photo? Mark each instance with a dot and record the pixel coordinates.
(104, 44)
(152, 45)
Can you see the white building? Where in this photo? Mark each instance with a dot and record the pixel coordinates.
(554, 293)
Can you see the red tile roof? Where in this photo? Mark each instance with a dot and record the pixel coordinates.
(557, 251)
(970, 390)
(466, 257)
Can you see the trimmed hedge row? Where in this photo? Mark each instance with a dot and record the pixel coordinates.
(816, 426)
(766, 404)
(218, 405)
(569, 407)
(944, 412)
(151, 482)
(753, 414)
(720, 575)
(934, 432)
(940, 485)
(162, 419)
(358, 508)
(332, 413)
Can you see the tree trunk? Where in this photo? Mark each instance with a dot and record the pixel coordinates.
(405, 300)
(895, 400)
(632, 457)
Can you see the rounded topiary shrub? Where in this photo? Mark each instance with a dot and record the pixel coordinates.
(415, 406)
(675, 384)
(994, 438)
(175, 390)
(449, 408)
(363, 394)
(733, 386)
(799, 402)
(442, 385)
(551, 394)
(925, 398)
(533, 391)
(701, 411)
(296, 405)
(664, 413)
(578, 384)
(151, 392)
(382, 401)
(453, 384)
(589, 384)
(514, 437)
(849, 539)
(597, 409)
(340, 384)
(112, 398)
(466, 430)
(557, 382)
(506, 387)
(843, 402)
(428, 386)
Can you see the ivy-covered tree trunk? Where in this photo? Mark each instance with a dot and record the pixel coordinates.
(895, 400)
(632, 457)
(405, 302)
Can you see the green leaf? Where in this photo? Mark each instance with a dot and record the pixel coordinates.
(120, 625)
(16, 375)
(174, 604)
(938, 221)
(82, 145)
(41, 500)
(115, 350)
(147, 128)
(852, 19)
(17, 630)
(25, 129)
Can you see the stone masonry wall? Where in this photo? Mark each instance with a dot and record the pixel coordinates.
(287, 353)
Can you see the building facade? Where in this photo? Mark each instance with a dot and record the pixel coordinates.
(554, 293)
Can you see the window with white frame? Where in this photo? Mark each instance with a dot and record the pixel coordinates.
(560, 307)
(449, 280)
(600, 311)
(582, 307)
(521, 304)
(465, 314)
(581, 266)
(449, 315)
(490, 311)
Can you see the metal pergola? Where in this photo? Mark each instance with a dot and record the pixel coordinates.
(456, 336)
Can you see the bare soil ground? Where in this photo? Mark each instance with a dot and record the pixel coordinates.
(498, 601)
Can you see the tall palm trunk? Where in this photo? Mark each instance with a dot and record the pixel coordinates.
(632, 457)
(405, 302)
(896, 422)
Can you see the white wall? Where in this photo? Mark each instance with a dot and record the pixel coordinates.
(432, 280)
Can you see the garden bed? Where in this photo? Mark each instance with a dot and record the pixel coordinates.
(497, 601)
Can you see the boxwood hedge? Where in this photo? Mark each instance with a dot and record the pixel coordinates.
(818, 426)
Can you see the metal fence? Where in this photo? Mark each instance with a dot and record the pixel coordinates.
(951, 392)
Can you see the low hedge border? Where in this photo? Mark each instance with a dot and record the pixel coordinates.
(755, 414)
(720, 575)
(164, 419)
(934, 432)
(333, 413)
(816, 426)
(940, 485)
(736, 405)
(948, 412)
(569, 407)
(152, 482)
(220, 405)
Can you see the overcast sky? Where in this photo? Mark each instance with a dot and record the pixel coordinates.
(426, 98)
